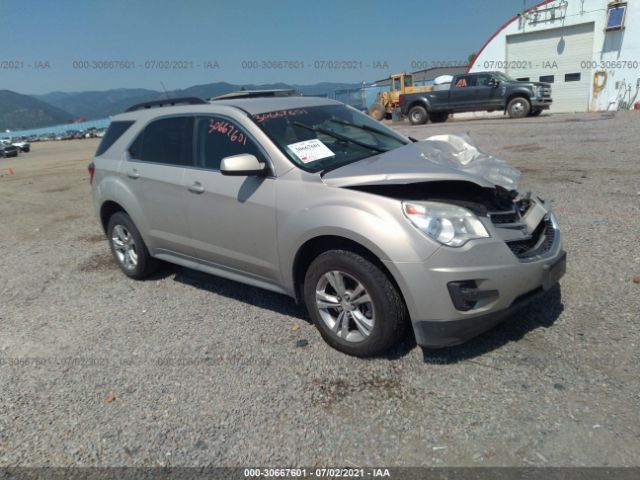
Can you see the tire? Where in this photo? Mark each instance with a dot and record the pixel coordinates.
(518, 107)
(380, 323)
(439, 117)
(535, 113)
(418, 115)
(125, 238)
(377, 111)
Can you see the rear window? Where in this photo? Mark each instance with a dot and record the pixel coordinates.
(114, 132)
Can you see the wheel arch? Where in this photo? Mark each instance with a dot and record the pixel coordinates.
(420, 102)
(107, 210)
(315, 246)
(517, 94)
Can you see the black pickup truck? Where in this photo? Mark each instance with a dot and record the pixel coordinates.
(472, 92)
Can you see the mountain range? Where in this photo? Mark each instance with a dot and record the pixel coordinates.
(18, 111)
(23, 111)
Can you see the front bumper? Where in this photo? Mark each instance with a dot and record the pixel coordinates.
(438, 334)
(541, 103)
(489, 265)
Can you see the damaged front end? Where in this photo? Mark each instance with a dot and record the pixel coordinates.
(453, 170)
(526, 224)
(492, 250)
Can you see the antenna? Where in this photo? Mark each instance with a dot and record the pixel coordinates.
(165, 90)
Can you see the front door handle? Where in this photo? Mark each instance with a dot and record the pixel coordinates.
(133, 174)
(196, 187)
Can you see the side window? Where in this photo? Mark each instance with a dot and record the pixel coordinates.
(396, 83)
(218, 138)
(168, 140)
(483, 80)
(114, 132)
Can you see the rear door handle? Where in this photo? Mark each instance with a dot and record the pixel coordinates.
(133, 174)
(196, 187)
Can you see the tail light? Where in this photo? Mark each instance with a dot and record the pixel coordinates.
(92, 171)
(400, 100)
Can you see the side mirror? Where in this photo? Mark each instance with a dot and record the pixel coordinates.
(242, 165)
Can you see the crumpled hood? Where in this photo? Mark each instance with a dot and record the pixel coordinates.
(429, 160)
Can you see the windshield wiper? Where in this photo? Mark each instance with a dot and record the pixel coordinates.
(339, 136)
(364, 127)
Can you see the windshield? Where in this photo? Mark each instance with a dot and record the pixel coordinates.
(503, 77)
(327, 137)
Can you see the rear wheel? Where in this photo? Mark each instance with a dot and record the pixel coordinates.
(518, 107)
(439, 117)
(377, 111)
(354, 305)
(418, 115)
(128, 248)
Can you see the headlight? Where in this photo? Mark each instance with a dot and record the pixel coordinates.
(535, 89)
(447, 224)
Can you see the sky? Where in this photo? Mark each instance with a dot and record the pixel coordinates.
(79, 45)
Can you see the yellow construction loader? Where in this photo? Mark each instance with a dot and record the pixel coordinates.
(401, 83)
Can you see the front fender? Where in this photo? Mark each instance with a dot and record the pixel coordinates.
(372, 221)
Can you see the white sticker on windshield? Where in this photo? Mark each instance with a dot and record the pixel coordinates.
(310, 150)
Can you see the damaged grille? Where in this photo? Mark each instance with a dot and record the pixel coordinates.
(538, 243)
(502, 218)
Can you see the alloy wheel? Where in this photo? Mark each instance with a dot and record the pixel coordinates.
(345, 306)
(124, 247)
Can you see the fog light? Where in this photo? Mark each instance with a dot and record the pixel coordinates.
(465, 294)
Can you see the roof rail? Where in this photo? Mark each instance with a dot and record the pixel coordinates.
(168, 102)
(275, 92)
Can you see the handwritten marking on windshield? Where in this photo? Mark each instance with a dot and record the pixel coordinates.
(261, 117)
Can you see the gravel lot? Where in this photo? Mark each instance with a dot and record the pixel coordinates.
(189, 369)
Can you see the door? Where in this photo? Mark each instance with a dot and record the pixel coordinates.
(556, 56)
(461, 94)
(232, 219)
(487, 95)
(154, 171)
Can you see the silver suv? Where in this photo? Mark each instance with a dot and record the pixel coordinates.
(311, 198)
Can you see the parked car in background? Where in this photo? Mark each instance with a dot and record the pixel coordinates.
(8, 150)
(472, 92)
(23, 145)
(313, 199)
(20, 145)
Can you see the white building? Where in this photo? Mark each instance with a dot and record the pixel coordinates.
(588, 49)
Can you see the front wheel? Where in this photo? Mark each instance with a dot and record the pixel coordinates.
(354, 305)
(518, 107)
(128, 248)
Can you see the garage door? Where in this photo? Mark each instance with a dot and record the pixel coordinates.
(568, 47)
